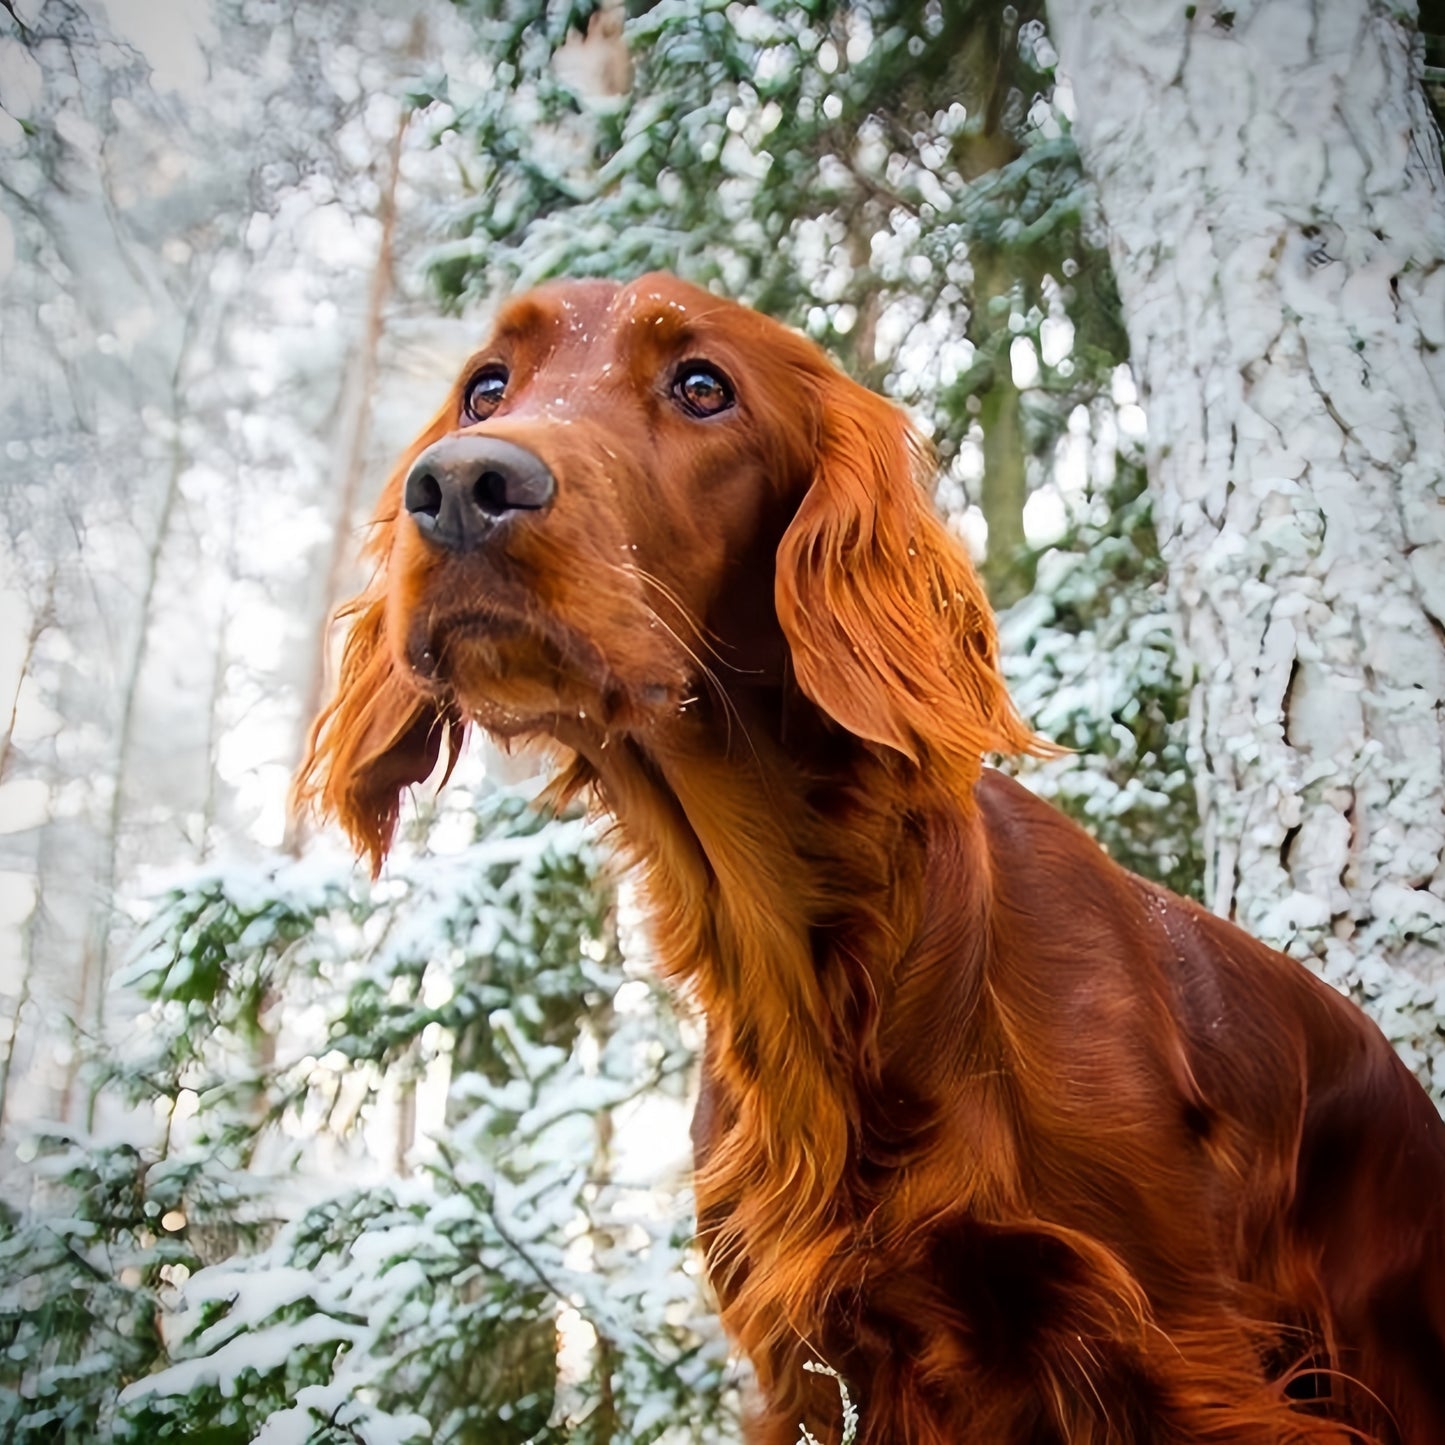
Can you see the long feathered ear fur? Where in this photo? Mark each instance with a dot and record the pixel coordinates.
(890, 631)
(380, 733)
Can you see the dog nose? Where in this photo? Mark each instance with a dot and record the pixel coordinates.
(459, 488)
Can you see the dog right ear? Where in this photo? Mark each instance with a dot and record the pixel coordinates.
(380, 733)
(886, 619)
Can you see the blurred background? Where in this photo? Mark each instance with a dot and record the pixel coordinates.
(286, 1155)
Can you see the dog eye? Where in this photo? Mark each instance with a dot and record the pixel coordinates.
(702, 390)
(484, 393)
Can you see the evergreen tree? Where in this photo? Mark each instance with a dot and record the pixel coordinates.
(425, 1305)
(901, 181)
(892, 177)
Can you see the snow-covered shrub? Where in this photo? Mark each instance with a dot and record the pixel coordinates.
(1091, 660)
(395, 1192)
(81, 1284)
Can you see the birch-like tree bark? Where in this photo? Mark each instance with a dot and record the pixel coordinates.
(1272, 181)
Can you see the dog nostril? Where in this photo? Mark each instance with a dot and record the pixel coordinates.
(490, 493)
(423, 495)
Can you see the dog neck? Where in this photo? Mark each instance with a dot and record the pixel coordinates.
(784, 898)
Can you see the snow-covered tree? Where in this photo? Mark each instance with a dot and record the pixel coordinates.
(516, 1275)
(1090, 658)
(187, 249)
(1271, 176)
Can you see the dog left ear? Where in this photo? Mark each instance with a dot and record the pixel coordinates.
(376, 737)
(380, 733)
(890, 631)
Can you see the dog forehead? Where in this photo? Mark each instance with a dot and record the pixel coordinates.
(565, 309)
(657, 310)
(661, 294)
(675, 308)
(562, 321)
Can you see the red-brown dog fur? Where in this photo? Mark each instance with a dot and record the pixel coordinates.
(1029, 1150)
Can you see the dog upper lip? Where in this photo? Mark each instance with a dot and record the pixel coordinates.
(432, 635)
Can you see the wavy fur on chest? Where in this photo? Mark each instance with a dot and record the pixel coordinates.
(882, 1185)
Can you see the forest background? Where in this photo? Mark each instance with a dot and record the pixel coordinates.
(287, 1156)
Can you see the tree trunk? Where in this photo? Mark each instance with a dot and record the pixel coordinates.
(1272, 181)
(1004, 488)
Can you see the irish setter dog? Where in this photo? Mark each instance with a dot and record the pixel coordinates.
(1028, 1149)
